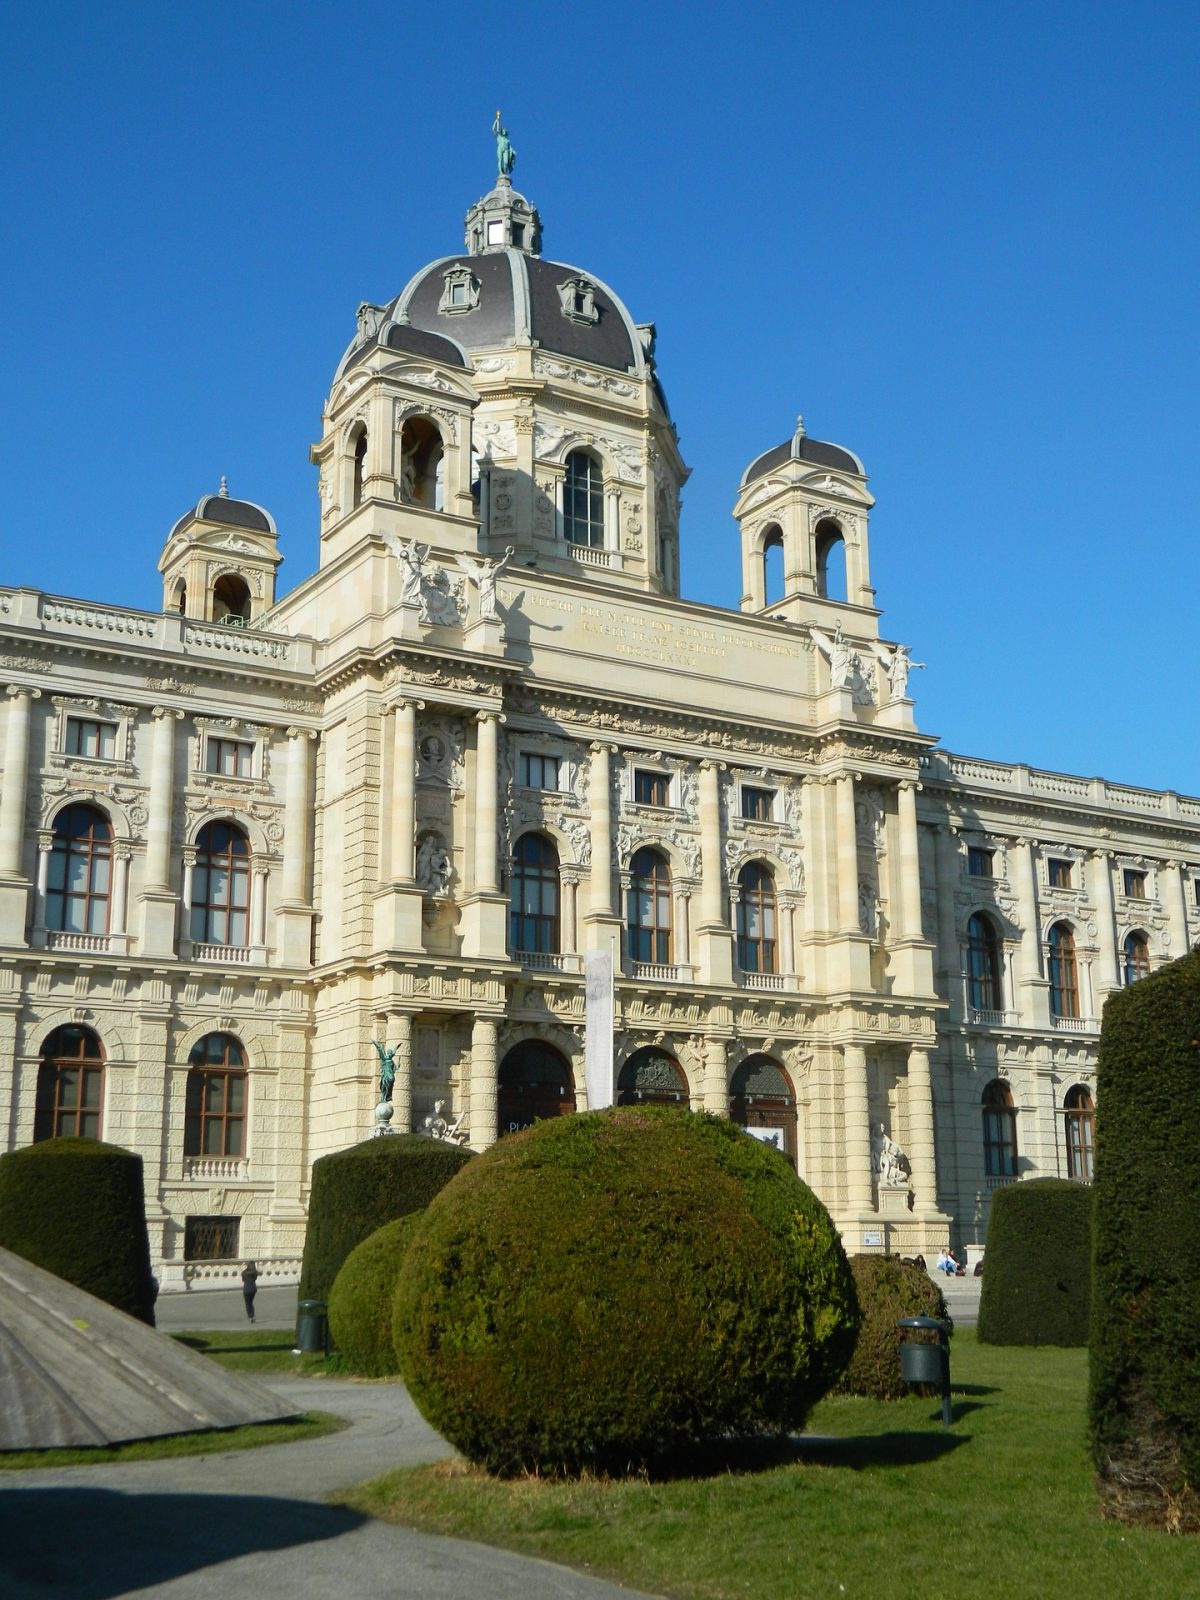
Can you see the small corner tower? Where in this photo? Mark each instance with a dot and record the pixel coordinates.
(802, 508)
(220, 561)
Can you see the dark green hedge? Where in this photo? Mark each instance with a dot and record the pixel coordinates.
(357, 1190)
(362, 1298)
(77, 1208)
(887, 1289)
(1145, 1334)
(1037, 1286)
(606, 1291)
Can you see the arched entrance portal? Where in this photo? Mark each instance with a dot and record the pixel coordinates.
(535, 1082)
(762, 1101)
(652, 1078)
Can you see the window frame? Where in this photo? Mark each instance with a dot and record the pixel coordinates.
(230, 1227)
(528, 759)
(539, 881)
(657, 781)
(985, 964)
(757, 952)
(1060, 872)
(588, 492)
(981, 861)
(66, 858)
(245, 760)
(204, 1073)
(73, 737)
(1001, 1155)
(652, 941)
(239, 866)
(1063, 971)
(1135, 882)
(1135, 962)
(1080, 1132)
(751, 794)
(49, 1119)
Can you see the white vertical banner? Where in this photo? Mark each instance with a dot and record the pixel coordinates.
(598, 1027)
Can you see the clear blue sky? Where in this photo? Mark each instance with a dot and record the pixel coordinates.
(961, 240)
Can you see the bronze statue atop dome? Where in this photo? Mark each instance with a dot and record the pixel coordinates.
(506, 156)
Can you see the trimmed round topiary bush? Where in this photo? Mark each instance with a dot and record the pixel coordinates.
(888, 1289)
(357, 1190)
(1038, 1282)
(363, 1296)
(1145, 1331)
(77, 1207)
(607, 1290)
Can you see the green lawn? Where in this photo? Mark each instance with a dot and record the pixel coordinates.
(312, 1425)
(999, 1507)
(260, 1350)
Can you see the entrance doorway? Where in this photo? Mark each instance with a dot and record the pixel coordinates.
(535, 1082)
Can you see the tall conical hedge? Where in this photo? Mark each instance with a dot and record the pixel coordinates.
(77, 1208)
(1145, 1333)
(1038, 1283)
(357, 1190)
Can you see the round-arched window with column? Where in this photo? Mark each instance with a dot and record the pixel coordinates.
(535, 1082)
(762, 1100)
(70, 1085)
(652, 1077)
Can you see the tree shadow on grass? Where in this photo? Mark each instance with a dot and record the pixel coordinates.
(96, 1544)
(745, 1456)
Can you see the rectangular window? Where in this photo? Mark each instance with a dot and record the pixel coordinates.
(651, 788)
(757, 804)
(231, 758)
(88, 738)
(979, 861)
(211, 1238)
(539, 772)
(1135, 883)
(1061, 874)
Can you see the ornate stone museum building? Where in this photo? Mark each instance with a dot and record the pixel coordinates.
(245, 836)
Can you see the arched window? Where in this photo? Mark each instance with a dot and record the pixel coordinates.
(533, 897)
(422, 464)
(583, 500)
(1137, 957)
(231, 600)
(652, 1077)
(1064, 975)
(535, 1082)
(761, 1097)
(985, 983)
(215, 1117)
(181, 597)
(756, 919)
(648, 908)
(1080, 1116)
(79, 881)
(999, 1131)
(360, 468)
(221, 886)
(772, 548)
(831, 561)
(70, 1085)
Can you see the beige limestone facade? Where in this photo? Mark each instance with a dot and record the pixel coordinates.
(246, 836)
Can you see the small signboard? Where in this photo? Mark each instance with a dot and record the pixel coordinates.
(872, 1241)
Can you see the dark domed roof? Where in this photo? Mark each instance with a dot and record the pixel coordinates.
(229, 513)
(514, 297)
(801, 448)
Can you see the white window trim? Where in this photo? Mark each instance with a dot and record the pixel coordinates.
(118, 716)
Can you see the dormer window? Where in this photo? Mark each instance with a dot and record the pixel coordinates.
(460, 291)
(578, 299)
(495, 230)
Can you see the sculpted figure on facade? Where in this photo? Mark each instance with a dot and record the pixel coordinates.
(410, 558)
(888, 1160)
(433, 866)
(483, 573)
(896, 665)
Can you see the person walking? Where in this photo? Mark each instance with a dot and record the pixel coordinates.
(249, 1287)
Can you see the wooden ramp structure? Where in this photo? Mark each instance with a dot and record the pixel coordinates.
(75, 1372)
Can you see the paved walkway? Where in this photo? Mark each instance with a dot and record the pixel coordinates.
(222, 1309)
(253, 1522)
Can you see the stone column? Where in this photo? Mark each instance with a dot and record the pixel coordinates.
(947, 868)
(486, 781)
(860, 1196)
(162, 786)
(908, 909)
(1174, 897)
(787, 944)
(401, 1042)
(120, 891)
(599, 790)
(1109, 975)
(404, 790)
(712, 912)
(847, 855)
(45, 847)
(568, 925)
(14, 887)
(483, 1082)
(716, 1082)
(296, 817)
(258, 909)
(683, 934)
(157, 900)
(921, 1154)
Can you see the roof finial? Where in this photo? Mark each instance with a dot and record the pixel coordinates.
(800, 427)
(223, 491)
(506, 156)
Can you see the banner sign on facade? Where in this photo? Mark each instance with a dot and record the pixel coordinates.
(598, 1027)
